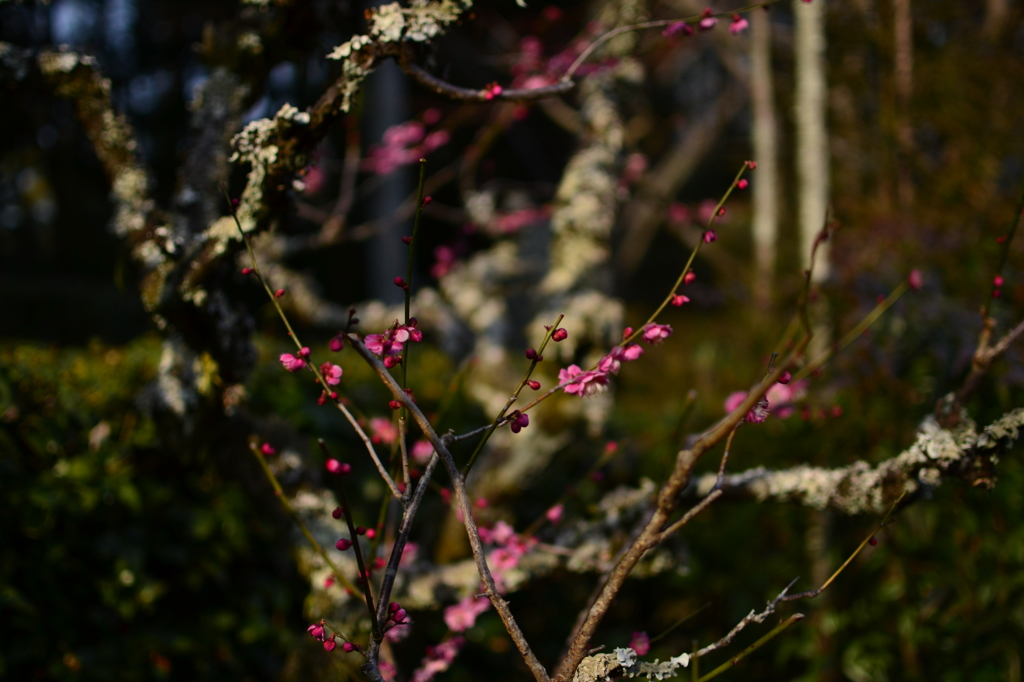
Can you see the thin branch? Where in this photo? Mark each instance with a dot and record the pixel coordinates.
(459, 484)
(279, 493)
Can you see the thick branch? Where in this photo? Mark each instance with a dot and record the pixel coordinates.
(938, 453)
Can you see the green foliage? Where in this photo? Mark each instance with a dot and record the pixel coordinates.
(120, 560)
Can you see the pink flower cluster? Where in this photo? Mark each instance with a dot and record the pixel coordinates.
(462, 616)
(438, 659)
(403, 144)
(391, 342)
(576, 381)
(384, 430)
(508, 549)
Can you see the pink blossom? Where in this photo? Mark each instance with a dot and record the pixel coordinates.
(436, 139)
(554, 515)
(337, 343)
(679, 299)
(757, 414)
(678, 213)
(706, 210)
(677, 28)
(329, 644)
(709, 236)
(387, 671)
(640, 643)
(738, 25)
(268, 449)
(331, 372)
(421, 451)
(380, 344)
(502, 533)
(316, 631)
(610, 363)
(707, 23)
(582, 383)
(462, 616)
(690, 277)
(445, 260)
(397, 633)
(438, 659)
(780, 397)
(291, 362)
(384, 430)
(914, 280)
(656, 333)
(431, 116)
(410, 553)
(503, 559)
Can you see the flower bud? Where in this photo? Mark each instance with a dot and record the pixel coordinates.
(343, 544)
(340, 468)
(559, 335)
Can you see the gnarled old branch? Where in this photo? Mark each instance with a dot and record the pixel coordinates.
(961, 452)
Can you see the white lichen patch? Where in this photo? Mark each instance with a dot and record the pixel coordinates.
(624, 662)
(861, 488)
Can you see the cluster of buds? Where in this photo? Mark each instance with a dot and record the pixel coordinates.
(396, 616)
(492, 90)
(318, 632)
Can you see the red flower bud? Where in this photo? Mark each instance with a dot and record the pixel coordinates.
(340, 468)
(279, 293)
(535, 385)
(559, 335)
(247, 271)
(343, 544)
(742, 184)
(338, 512)
(394, 405)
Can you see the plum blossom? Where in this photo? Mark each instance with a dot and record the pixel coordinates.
(914, 280)
(291, 362)
(610, 363)
(332, 373)
(640, 643)
(462, 616)
(678, 28)
(679, 299)
(421, 451)
(438, 659)
(554, 515)
(738, 25)
(384, 430)
(582, 383)
(391, 342)
(656, 333)
(707, 22)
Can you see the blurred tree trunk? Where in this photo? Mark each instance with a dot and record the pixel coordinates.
(765, 132)
(810, 102)
(903, 37)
